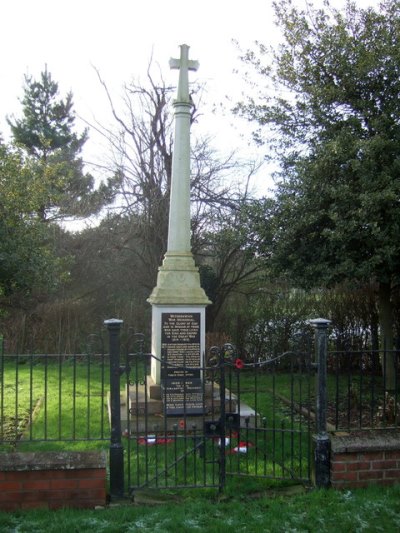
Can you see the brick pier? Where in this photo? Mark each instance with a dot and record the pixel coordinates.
(366, 458)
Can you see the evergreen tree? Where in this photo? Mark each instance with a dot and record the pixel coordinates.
(27, 260)
(45, 133)
(334, 115)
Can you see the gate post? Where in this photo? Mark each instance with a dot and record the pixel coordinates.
(116, 448)
(222, 421)
(321, 439)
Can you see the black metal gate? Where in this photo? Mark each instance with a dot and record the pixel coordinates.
(163, 450)
(257, 419)
(272, 435)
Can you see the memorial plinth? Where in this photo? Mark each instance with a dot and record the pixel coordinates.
(148, 414)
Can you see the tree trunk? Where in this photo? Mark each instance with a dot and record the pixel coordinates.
(375, 343)
(386, 326)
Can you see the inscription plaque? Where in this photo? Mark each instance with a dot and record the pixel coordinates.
(181, 363)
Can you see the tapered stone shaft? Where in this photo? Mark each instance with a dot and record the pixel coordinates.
(178, 280)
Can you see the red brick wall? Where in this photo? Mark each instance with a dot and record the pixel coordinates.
(362, 463)
(52, 486)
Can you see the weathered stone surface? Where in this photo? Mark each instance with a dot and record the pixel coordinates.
(366, 441)
(26, 461)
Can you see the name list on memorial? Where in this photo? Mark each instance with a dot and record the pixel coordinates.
(181, 357)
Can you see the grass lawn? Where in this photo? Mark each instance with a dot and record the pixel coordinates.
(280, 510)
(45, 398)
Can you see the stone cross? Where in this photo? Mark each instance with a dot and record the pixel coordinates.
(184, 65)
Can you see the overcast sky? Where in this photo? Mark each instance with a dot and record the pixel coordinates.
(118, 37)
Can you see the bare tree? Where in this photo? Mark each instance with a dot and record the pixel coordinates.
(141, 162)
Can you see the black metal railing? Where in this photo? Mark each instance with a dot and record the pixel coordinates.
(272, 438)
(53, 398)
(254, 417)
(255, 420)
(168, 451)
(363, 389)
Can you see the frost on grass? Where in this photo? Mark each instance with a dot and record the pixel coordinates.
(296, 523)
(378, 508)
(152, 523)
(95, 524)
(360, 523)
(288, 528)
(191, 523)
(21, 525)
(347, 495)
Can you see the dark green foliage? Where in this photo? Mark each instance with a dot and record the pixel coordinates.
(336, 134)
(47, 122)
(45, 133)
(26, 258)
(337, 212)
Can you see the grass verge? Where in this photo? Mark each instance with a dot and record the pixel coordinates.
(368, 510)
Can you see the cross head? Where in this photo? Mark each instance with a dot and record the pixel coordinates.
(184, 64)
